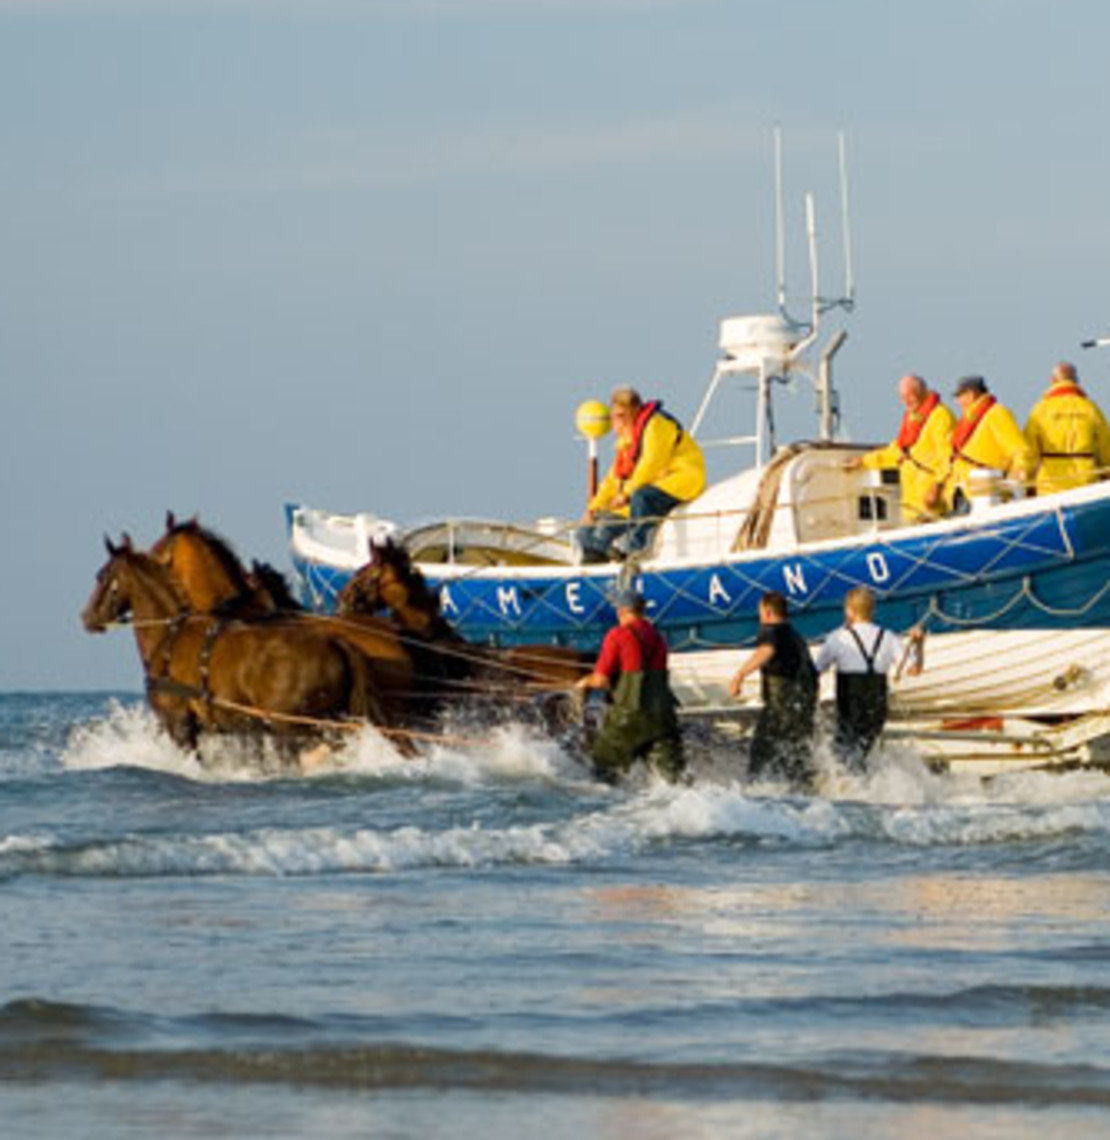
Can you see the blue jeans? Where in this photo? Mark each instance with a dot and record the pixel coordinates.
(646, 509)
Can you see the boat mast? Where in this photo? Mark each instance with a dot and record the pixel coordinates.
(772, 348)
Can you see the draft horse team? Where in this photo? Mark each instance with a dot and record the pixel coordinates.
(229, 651)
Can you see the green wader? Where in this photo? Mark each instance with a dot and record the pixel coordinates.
(640, 724)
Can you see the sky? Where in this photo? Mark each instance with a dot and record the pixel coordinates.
(371, 255)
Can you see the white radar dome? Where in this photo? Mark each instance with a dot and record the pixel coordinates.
(750, 341)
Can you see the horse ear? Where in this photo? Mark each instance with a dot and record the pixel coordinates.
(171, 521)
(125, 542)
(112, 551)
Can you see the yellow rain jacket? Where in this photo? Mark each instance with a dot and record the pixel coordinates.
(922, 463)
(668, 458)
(1068, 439)
(996, 442)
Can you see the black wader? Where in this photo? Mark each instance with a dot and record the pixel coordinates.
(861, 708)
(782, 743)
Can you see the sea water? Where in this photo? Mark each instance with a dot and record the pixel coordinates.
(482, 942)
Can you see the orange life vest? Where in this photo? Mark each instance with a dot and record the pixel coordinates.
(965, 429)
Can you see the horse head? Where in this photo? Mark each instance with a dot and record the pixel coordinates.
(127, 576)
(391, 581)
(362, 593)
(205, 566)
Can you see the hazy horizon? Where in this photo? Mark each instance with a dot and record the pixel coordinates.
(371, 256)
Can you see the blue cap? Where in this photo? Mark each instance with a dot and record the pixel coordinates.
(974, 384)
(627, 598)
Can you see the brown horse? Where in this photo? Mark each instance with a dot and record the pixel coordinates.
(206, 673)
(390, 581)
(213, 580)
(212, 574)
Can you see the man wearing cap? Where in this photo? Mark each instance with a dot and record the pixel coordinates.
(641, 723)
(986, 437)
(657, 466)
(919, 452)
(1068, 437)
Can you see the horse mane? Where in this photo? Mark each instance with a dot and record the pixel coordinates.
(274, 583)
(390, 553)
(223, 551)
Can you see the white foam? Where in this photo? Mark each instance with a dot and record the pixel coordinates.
(609, 825)
(129, 736)
(901, 802)
(511, 753)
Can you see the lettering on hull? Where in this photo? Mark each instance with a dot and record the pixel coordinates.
(794, 580)
(717, 592)
(574, 598)
(508, 601)
(877, 568)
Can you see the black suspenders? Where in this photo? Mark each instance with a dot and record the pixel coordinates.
(868, 658)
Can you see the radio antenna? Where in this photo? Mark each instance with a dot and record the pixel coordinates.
(846, 232)
(780, 235)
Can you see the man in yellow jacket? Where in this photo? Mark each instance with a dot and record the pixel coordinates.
(986, 437)
(1068, 438)
(920, 451)
(657, 466)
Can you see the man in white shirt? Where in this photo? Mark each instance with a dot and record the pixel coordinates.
(863, 654)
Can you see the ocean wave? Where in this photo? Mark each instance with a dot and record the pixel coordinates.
(588, 831)
(42, 1042)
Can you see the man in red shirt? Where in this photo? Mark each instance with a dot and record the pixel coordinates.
(641, 723)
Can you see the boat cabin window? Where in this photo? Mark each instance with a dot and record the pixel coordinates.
(830, 502)
(872, 509)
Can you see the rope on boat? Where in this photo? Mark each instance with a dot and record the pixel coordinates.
(1027, 593)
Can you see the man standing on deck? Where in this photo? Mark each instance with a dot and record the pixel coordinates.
(863, 654)
(919, 452)
(1067, 435)
(782, 744)
(986, 437)
(641, 723)
(658, 465)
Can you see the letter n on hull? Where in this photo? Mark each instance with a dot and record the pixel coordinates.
(794, 580)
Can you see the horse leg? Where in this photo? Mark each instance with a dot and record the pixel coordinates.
(365, 700)
(178, 722)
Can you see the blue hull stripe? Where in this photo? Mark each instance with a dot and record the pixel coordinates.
(1044, 570)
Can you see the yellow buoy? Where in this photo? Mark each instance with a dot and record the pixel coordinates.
(592, 419)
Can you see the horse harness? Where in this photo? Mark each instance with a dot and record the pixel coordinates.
(160, 681)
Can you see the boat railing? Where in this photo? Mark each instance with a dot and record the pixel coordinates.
(720, 528)
(785, 520)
